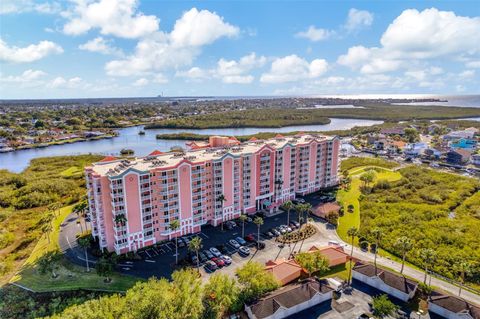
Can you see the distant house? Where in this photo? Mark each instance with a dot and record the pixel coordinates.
(394, 147)
(415, 149)
(285, 271)
(393, 131)
(389, 282)
(455, 135)
(335, 254)
(466, 143)
(475, 159)
(451, 307)
(290, 300)
(380, 144)
(458, 156)
(432, 153)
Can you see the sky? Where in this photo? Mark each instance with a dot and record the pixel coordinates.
(133, 48)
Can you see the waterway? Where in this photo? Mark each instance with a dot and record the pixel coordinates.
(144, 144)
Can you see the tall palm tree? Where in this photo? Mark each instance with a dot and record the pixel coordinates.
(259, 222)
(288, 205)
(428, 256)
(174, 226)
(405, 245)
(221, 199)
(195, 245)
(377, 234)
(46, 229)
(463, 268)
(84, 242)
(243, 218)
(352, 233)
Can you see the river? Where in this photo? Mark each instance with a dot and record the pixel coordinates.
(144, 144)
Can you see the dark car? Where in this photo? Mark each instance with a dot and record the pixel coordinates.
(260, 245)
(297, 224)
(208, 254)
(210, 266)
(260, 214)
(268, 235)
(222, 249)
(193, 259)
(241, 241)
(250, 238)
(181, 243)
(202, 257)
(275, 232)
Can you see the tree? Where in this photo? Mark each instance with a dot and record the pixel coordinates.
(259, 222)
(104, 268)
(411, 135)
(84, 242)
(332, 218)
(376, 234)
(174, 225)
(195, 245)
(352, 232)
(382, 306)
(255, 280)
(48, 263)
(243, 218)
(313, 262)
(405, 245)
(221, 199)
(288, 205)
(428, 256)
(46, 229)
(220, 294)
(368, 177)
(187, 287)
(462, 268)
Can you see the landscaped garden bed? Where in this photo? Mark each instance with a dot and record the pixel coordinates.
(306, 231)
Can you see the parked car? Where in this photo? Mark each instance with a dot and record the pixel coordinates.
(208, 254)
(194, 259)
(282, 230)
(211, 266)
(249, 219)
(250, 238)
(215, 252)
(275, 232)
(180, 243)
(226, 259)
(297, 224)
(202, 257)
(234, 243)
(268, 235)
(186, 240)
(241, 241)
(260, 245)
(222, 249)
(292, 226)
(260, 214)
(219, 261)
(244, 251)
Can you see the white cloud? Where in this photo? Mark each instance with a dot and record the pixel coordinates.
(197, 28)
(160, 79)
(235, 71)
(62, 83)
(467, 74)
(358, 19)
(473, 64)
(141, 82)
(30, 53)
(293, 68)
(26, 77)
(119, 18)
(21, 6)
(194, 73)
(314, 34)
(161, 51)
(416, 36)
(100, 45)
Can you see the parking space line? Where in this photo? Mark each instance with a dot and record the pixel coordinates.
(146, 252)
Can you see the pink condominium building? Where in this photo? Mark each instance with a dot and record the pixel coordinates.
(132, 203)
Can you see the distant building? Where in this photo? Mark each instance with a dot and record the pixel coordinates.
(335, 255)
(415, 149)
(465, 143)
(393, 131)
(458, 156)
(455, 135)
(475, 159)
(284, 270)
(451, 307)
(290, 300)
(389, 282)
(432, 153)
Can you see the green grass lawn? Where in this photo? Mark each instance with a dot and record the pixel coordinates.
(71, 277)
(71, 171)
(351, 197)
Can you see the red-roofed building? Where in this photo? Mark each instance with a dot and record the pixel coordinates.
(284, 270)
(335, 255)
(109, 159)
(155, 153)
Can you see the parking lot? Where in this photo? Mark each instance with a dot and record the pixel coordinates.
(159, 260)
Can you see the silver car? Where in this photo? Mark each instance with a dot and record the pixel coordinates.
(215, 252)
(234, 243)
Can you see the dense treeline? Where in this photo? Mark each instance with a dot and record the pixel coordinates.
(353, 162)
(279, 117)
(437, 211)
(29, 199)
(185, 297)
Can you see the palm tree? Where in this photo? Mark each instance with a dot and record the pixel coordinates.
(352, 233)
(243, 218)
(84, 242)
(174, 226)
(301, 209)
(221, 199)
(404, 244)
(46, 229)
(376, 233)
(120, 219)
(428, 256)
(259, 222)
(195, 245)
(463, 268)
(288, 205)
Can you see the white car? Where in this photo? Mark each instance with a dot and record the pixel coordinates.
(215, 252)
(244, 250)
(234, 243)
(226, 259)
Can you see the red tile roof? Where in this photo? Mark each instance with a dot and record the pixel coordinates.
(155, 153)
(108, 159)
